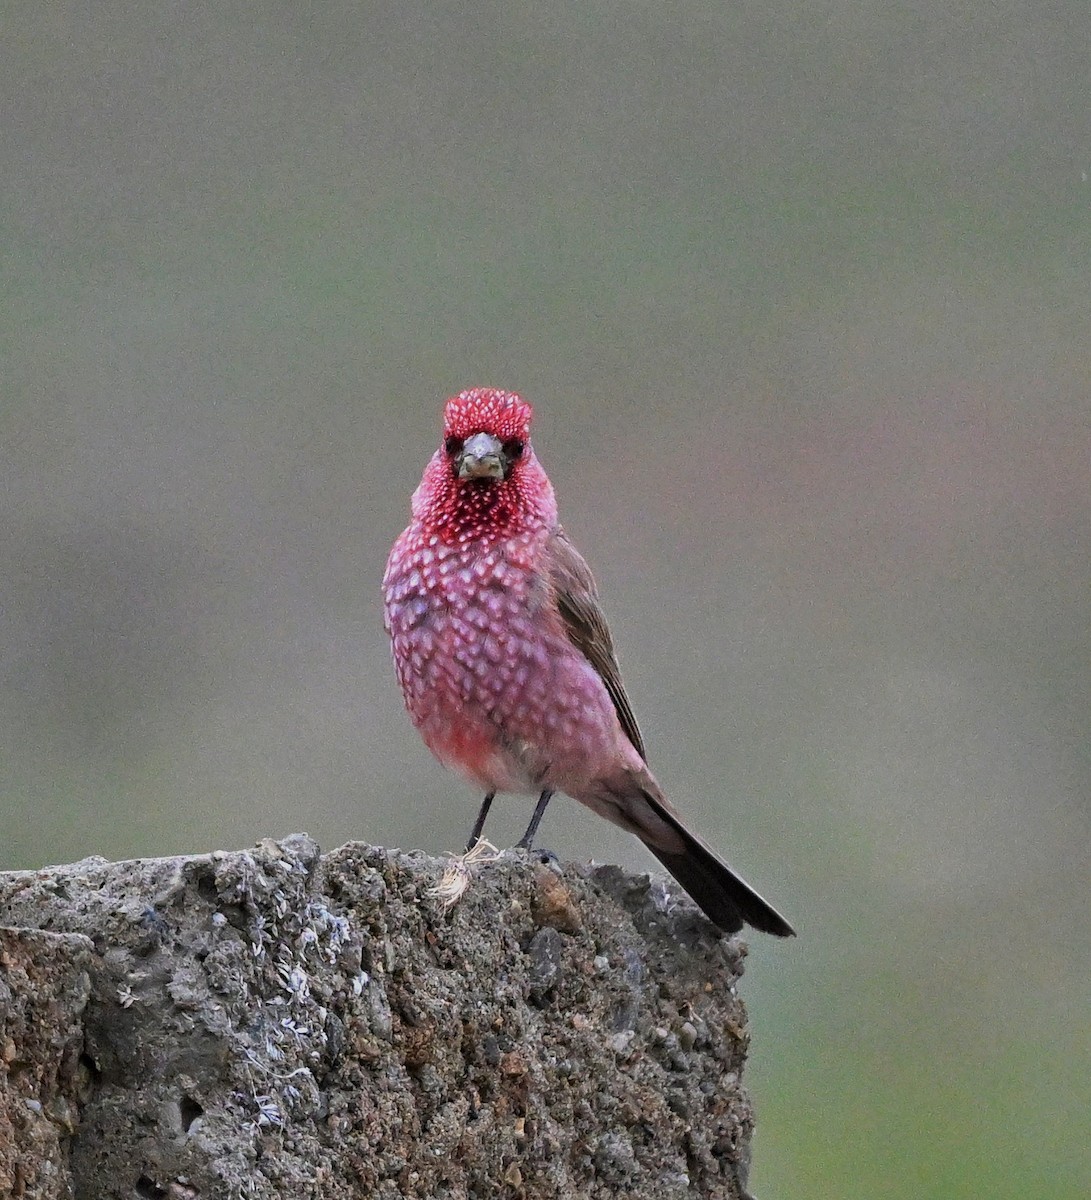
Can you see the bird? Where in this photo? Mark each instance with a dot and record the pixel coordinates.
(505, 659)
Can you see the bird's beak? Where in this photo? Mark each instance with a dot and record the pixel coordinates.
(482, 457)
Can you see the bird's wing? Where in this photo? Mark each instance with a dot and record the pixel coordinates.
(578, 604)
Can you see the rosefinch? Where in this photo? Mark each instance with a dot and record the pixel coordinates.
(505, 658)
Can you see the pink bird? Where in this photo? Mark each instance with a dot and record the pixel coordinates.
(505, 659)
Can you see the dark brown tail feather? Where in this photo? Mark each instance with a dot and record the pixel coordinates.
(727, 900)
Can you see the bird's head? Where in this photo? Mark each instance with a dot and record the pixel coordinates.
(484, 477)
(485, 434)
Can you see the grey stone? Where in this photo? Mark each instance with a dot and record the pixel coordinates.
(276, 1022)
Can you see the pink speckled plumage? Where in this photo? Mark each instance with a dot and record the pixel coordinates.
(503, 655)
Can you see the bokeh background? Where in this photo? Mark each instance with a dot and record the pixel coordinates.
(802, 293)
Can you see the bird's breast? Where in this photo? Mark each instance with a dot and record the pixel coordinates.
(490, 678)
(458, 614)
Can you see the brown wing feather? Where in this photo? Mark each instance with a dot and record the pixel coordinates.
(578, 604)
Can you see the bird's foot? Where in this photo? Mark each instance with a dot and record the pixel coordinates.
(532, 854)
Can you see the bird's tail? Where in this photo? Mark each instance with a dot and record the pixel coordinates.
(727, 900)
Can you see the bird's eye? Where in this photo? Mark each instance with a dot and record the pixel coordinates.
(513, 448)
(453, 445)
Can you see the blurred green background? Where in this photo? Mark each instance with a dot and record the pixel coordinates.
(802, 293)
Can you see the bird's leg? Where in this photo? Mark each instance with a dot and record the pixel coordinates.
(527, 840)
(479, 824)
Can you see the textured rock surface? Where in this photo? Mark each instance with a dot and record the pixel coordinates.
(44, 989)
(280, 1023)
